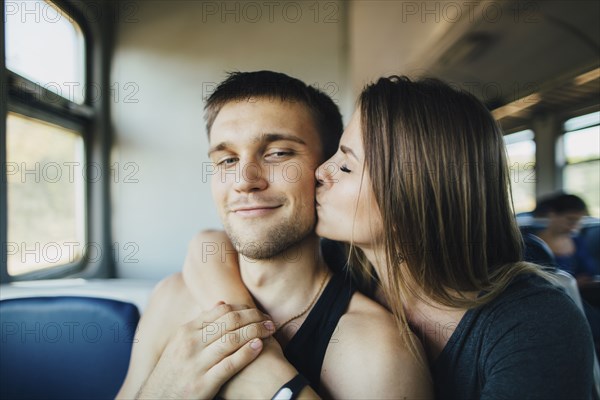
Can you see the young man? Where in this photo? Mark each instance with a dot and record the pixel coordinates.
(268, 132)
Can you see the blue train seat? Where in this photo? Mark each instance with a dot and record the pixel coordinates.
(65, 347)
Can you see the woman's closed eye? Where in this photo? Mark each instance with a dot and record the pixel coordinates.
(344, 168)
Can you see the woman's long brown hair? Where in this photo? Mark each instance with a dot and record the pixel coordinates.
(437, 163)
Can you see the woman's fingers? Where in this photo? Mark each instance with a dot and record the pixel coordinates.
(229, 319)
(235, 340)
(228, 336)
(214, 313)
(234, 350)
(237, 318)
(206, 352)
(230, 365)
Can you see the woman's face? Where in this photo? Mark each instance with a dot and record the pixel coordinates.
(346, 204)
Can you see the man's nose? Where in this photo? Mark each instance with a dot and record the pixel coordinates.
(251, 178)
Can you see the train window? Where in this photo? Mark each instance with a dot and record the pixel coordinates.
(520, 147)
(580, 149)
(46, 46)
(46, 130)
(45, 199)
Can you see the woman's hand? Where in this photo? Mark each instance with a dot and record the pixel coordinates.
(211, 273)
(206, 352)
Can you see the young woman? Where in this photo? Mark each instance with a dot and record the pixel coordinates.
(420, 189)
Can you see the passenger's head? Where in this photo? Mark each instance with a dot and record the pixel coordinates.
(563, 211)
(275, 86)
(266, 136)
(434, 191)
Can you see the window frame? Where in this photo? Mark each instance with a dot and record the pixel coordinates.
(561, 156)
(564, 162)
(89, 119)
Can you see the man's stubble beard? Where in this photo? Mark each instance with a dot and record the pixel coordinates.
(275, 239)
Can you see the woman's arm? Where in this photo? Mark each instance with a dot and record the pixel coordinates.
(264, 376)
(211, 271)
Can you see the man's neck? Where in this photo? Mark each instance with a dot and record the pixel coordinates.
(285, 284)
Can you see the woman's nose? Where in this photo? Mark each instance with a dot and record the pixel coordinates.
(324, 173)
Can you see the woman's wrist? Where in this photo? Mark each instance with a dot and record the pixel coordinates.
(283, 372)
(280, 372)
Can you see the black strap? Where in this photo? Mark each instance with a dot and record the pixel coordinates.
(306, 349)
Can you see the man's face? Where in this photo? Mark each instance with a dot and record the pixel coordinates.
(265, 152)
(566, 222)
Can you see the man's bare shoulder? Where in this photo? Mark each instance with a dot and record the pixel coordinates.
(368, 356)
(173, 298)
(361, 306)
(172, 288)
(365, 319)
(171, 305)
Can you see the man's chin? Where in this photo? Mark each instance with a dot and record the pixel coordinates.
(256, 250)
(266, 239)
(252, 243)
(268, 246)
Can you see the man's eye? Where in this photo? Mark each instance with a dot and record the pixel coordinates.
(279, 154)
(344, 168)
(227, 161)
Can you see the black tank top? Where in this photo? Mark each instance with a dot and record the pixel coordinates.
(306, 349)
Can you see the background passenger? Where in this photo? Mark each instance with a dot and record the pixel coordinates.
(563, 213)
